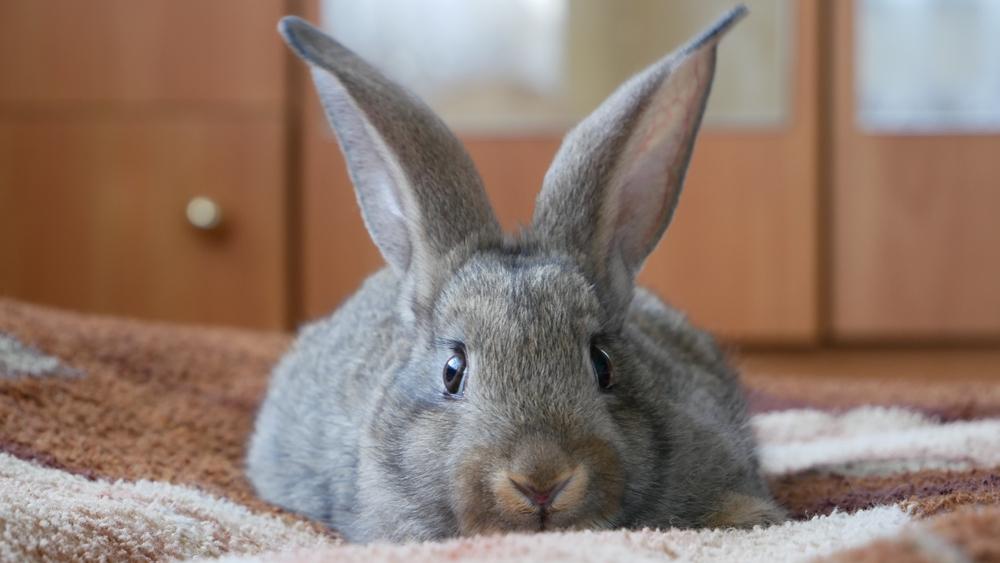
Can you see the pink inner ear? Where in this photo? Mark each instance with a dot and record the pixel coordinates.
(655, 156)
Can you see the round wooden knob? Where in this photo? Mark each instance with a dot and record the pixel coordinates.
(204, 213)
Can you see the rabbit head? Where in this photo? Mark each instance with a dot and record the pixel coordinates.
(520, 403)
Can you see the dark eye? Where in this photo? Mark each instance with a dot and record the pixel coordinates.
(454, 374)
(602, 367)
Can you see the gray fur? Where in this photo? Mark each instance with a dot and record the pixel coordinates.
(356, 430)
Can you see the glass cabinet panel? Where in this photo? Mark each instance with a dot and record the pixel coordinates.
(522, 65)
(927, 66)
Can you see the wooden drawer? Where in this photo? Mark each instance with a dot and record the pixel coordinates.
(140, 51)
(92, 214)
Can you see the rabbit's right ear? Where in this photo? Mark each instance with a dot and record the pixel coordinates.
(419, 192)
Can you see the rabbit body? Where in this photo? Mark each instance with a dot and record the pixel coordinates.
(350, 436)
(484, 383)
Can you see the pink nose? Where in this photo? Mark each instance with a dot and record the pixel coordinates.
(539, 497)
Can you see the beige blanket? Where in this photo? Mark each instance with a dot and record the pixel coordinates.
(122, 440)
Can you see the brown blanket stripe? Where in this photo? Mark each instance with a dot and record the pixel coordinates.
(927, 492)
(136, 400)
(943, 401)
(155, 402)
(969, 534)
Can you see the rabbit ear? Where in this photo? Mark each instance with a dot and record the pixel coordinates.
(615, 181)
(419, 192)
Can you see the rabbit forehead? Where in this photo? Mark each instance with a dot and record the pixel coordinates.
(515, 298)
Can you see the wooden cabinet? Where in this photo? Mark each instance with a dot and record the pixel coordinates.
(93, 214)
(113, 115)
(165, 51)
(915, 222)
(741, 257)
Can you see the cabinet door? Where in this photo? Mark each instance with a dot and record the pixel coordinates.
(741, 254)
(916, 183)
(92, 214)
(164, 51)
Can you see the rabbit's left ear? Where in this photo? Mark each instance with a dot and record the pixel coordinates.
(610, 193)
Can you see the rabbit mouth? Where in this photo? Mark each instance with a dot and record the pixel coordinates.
(544, 520)
(574, 507)
(529, 503)
(549, 502)
(548, 520)
(518, 493)
(543, 486)
(507, 502)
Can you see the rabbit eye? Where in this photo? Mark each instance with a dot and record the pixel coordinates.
(602, 367)
(454, 374)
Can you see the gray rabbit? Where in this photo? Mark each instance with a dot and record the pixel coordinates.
(484, 382)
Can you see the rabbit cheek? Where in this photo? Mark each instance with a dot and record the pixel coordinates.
(474, 507)
(603, 501)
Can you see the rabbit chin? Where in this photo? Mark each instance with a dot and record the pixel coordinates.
(509, 511)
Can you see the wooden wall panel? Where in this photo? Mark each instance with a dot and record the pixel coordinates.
(139, 51)
(92, 214)
(916, 229)
(741, 257)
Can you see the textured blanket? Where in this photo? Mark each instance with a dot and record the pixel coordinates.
(122, 440)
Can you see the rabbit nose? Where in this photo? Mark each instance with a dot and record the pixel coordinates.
(541, 497)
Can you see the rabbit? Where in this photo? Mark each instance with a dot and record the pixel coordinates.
(486, 383)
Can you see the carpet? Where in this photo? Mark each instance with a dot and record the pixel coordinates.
(124, 440)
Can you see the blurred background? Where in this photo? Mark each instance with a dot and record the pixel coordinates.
(167, 159)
